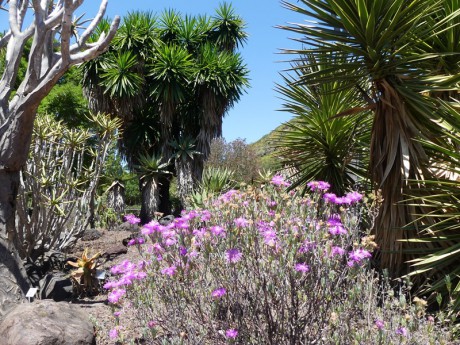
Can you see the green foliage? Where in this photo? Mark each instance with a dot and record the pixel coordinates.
(214, 181)
(151, 166)
(169, 77)
(383, 48)
(323, 141)
(438, 244)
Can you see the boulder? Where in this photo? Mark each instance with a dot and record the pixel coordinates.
(166, 220)
(126, 227)
(91, 235)
(46, 323)
(55, 286)
(114, 251)
(13, 280)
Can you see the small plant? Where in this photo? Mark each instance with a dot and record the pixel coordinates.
(84, 277)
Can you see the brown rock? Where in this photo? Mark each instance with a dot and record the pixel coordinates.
(47, 323)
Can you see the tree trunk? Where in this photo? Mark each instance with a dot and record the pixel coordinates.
(396, 159)
(150, 199)
(165, 202)
(185, 183)
(116, 198)
(13, 278)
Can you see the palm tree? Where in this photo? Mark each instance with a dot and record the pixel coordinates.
(322, 142)
(376, 41)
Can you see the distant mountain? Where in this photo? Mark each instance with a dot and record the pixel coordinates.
(266, 148)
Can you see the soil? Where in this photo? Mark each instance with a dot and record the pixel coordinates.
(97, 307)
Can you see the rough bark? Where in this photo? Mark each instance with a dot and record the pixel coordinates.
(185, 183)
(150, 198)
(116, 198)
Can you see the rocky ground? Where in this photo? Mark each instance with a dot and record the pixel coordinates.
(97, 308)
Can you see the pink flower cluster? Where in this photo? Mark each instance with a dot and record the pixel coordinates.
(279, 181)
(321, 186)
(348, 199)
(132, 219)
(357, 257)
(335, 226)
(129, 272)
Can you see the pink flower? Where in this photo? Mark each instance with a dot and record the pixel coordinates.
(182, 251)
(300, 267)
(217, 230)
(217, 293)
(233, 255)
(402, 331)
(241, 222)
(115, 295)
(330, 197)
(151, 324)
(231, 333)
(357, 256)
(379, 324)
(279, 181)
(354, 196)
(337, 251)
(170, 271)
(113, 333)
(307, 246)
(132, 219)
(319, 185)
(336, 226)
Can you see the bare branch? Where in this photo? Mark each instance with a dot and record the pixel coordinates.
(90, 29)
(100, 47)
(22, 12)
(66, 28)
(4, 40)
(13, 18)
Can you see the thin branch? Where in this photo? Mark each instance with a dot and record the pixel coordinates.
(4, 40)
(22, 12)
(90, 29)
(66, 28)
(13, 18)
(100, 47)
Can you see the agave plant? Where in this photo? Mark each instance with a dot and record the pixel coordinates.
(85, 274)
(214, 181)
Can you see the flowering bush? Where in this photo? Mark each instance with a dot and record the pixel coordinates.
(262, 266)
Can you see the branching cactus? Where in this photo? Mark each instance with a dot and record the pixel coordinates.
(59, 183)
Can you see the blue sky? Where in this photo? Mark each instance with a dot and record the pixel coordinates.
(256, 113)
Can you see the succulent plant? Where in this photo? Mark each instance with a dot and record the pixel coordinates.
(84, 276)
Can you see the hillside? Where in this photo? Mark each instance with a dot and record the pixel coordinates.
(266, 149)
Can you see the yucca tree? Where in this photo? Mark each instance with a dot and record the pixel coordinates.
(179, 71)
(376, 41)
(323, 142)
